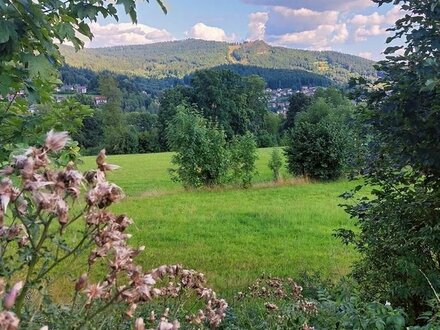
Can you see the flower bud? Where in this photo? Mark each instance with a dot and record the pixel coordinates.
(10, 298)
(56, 141)
(139, 324)
(81, 283)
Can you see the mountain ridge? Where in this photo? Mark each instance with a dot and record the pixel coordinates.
(178, 59)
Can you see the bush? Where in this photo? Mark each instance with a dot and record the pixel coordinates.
(275, 164)
(202, 156)
(319, 145)
(243, 154)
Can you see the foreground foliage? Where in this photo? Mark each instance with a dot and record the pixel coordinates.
(399, 231)
(41, 227)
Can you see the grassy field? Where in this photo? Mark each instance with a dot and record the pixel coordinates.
(147, 174)
(232, 235)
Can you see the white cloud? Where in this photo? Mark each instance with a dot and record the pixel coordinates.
(375, 24)
(205, 32)
(283, 19)
(367, 55)
(321, 38)
(317, 5)
(362, 33)
(257, 25)
(325, 17)
(377, 19)
(125, 34)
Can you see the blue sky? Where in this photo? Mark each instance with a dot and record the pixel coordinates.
(351, 26)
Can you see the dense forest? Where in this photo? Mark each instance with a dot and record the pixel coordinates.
(178, 59)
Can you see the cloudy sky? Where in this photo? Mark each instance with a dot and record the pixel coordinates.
(351, 26)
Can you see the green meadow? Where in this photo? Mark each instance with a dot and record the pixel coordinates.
(230, 234)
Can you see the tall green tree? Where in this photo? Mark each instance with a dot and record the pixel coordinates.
(169, 101)
(118, 138)
(320, 143)
(298, 102)
(235, 103)
(399, 239)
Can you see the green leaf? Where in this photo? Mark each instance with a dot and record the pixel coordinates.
(38, 65)
(5, 82)
(7, 31)
(430, 85)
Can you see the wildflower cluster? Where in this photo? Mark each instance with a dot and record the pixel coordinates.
(282, 300)
(39, 203)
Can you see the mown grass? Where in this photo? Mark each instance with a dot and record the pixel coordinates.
(232, 235)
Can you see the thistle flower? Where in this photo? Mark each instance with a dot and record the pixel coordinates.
(28, 169)
(21, 206)
(61, 210)
(104, 194)
(40, 157)
(6, 192)
(139, 324)
(55, 141)
(270, 306)
(131, 310)
(8, 170)
(44, 200)
(8, 321)
(20, 161)
(94, 291)
(102, 165)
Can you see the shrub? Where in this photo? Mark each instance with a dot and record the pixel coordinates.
(319, 145)
(243, 154)
(275, 164)
(202, 157)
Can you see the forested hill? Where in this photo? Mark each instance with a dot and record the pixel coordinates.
(178, 59)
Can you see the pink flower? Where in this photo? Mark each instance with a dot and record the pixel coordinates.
(104, 194)
(8, 170)
(94, 291)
